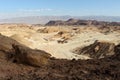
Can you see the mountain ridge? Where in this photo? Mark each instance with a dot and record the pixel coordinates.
(46, 19)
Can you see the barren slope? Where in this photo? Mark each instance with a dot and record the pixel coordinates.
(47, 41)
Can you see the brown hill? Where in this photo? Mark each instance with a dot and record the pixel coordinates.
(82, 22)
(55, 23)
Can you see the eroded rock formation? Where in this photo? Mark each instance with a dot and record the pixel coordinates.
(99, 49)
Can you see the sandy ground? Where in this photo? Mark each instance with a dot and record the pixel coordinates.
(47, 42)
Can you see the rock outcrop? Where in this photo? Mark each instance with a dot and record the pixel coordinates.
(117, 49)
(99, 49)
(24, 55)
(18, 53)
(6, 43)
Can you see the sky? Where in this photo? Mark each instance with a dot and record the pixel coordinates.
(21, 8)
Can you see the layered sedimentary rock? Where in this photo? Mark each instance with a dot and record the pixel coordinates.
(99, 49)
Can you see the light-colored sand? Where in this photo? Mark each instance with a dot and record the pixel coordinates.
(47, 42)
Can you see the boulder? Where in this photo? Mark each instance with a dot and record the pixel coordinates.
(24, 55)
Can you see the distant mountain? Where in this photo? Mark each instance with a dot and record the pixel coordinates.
(102, 18)
(46, 19)
(76, 22)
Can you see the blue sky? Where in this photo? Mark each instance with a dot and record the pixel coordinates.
(17, 8)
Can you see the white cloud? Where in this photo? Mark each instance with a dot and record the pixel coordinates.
(35, 10)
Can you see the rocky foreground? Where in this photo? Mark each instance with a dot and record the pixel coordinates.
(18, 62)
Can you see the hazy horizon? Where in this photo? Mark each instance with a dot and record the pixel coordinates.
(23, 8)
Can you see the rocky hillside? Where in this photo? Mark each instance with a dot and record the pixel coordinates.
(18, 62)
(45, 19)
(77, 22)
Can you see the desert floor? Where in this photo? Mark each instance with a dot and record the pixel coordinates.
(47, 38)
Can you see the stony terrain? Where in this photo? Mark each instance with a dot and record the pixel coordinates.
(23, 63)
(59, 52)
(60, 41)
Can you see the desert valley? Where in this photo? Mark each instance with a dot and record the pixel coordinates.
(60, 50)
